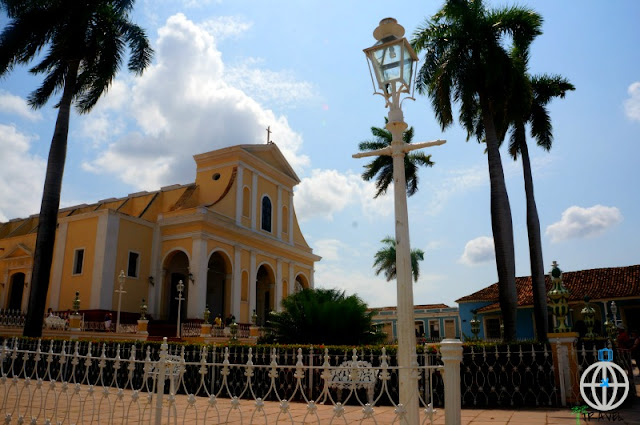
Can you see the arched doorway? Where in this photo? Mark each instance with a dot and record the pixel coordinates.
(16, 291)
(301, 283)
(177, 269)
(265, 293)
(219, 285)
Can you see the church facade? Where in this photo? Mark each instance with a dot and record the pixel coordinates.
(231, 237)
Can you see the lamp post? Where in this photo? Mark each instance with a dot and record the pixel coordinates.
(180, 288)
(120, 291)
(393, 61)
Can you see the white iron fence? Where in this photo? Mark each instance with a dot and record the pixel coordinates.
(71, 383)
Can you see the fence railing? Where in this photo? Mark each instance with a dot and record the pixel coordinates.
(59, 382)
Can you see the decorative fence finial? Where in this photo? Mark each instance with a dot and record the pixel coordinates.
(558, 299)
(588, 316)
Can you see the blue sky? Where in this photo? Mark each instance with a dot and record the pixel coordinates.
(225, 70)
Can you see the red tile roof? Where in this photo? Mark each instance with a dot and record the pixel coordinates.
(598, 284)
(415, 307)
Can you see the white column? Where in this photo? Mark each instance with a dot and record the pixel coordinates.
(104, 261)
(58, 262)
(197, 292)
(312, 278)
(236, 286)
(279, 214)
(254, 203)
(252, 282)
(239, 197)
(451, 350)
(290, 217)
(278, 294)
(292, 280)
(155, 270)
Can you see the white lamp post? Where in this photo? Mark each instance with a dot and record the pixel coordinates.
(120, 291)
(393, 62)
(180, 288)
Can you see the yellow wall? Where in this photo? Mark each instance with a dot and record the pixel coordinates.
(80, 234)
(136, 237)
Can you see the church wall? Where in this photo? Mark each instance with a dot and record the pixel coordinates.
(81, 234)
(138, 238)
(271, 190)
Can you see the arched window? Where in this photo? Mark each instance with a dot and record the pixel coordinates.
(285, 219)
(246, 202)
(266, 214)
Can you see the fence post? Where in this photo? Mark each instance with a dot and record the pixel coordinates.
(451, 350)
(161, 369)
(565, 361)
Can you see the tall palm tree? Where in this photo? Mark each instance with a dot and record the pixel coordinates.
(85, 41)
(532, 109)
(385, 260)
(382, 166)
(466, 62)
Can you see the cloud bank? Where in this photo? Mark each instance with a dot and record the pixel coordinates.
(477, 251)
(578, 222)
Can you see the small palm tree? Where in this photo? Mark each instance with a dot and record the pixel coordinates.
(385, 260)
(381, 168)
(322, 316)
(85, 42)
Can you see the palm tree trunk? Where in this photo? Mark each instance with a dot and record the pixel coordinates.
(535, 249)
(502, 227)
(48, 219)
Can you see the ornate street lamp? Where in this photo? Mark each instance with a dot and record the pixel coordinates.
(475, 324)
(180, 288)
(120, 291)
(392, 60)
(588, 316)
(558, 299)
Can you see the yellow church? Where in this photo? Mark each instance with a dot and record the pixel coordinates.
(232, 237)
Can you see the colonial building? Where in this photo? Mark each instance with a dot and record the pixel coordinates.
(618, 284)
(232, 237)
(432, 322)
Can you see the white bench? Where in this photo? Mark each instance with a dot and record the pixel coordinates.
(367, 377)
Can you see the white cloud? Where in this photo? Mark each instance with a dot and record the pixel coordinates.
(223, 27)
(376, 291)
(183, 105)
(21, 175)
(456, 182)
(578, 222)
(12, 104)
(632, 104)
(328, 249)
(327, 192)
(477, 251)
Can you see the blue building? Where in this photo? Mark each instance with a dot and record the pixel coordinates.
(433, 322)
(620, 285)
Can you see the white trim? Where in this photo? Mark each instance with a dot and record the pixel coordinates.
(253, 170)
(104, 261)
(236, 285)
(254, 201)
(279, 214)
(219, 249)
(253, 273)
(217, 238)
(278, 294)
(171, 252)
(239, 194)
(290, 218)
(58, 263)
(75, 261)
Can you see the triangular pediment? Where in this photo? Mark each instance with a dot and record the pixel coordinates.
(18, 251)
(271, 154)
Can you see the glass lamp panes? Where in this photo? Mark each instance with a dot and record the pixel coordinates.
(393, 63)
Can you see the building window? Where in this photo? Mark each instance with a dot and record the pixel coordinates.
(434, 329)
(266, 214)
(134, 264)
(492, 328)
(78, 261)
